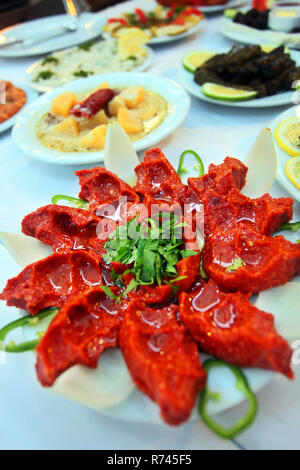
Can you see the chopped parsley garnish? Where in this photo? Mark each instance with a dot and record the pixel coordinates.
(86, 46)
(132, 57)
(82, 73)
(153, 247)
(50, 60)
(44, 75)
(238, 263)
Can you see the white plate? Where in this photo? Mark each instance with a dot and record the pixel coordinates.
(43, 88)
(216, 8)
(282, 157)
(162, 40)
(24, 132)
(186, 79)
(31, 96)
(89, 27)
(247, 35)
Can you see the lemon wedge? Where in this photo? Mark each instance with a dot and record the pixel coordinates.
(192, 60)
(292, 170)
(287, 136)
(220, 92)
(131, 41)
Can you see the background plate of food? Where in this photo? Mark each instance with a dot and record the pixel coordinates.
(16, 98)
(207, 6)
(246, 76)
(286, 131)
(92, 58)
(161, 24)
(252, 27)
(64, 30)
(68, 126)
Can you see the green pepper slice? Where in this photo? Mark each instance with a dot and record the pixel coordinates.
(75, 201)
(181, 170)
(27, 320)
(241, 384)
(293, 226)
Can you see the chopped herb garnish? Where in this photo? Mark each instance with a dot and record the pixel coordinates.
(238, 263)
(50, 60)
(152, 247)
(44, 75)
(82, 73)
(86, 46)
(132, 57)
(109, 293)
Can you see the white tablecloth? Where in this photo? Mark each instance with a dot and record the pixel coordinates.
(31, 417)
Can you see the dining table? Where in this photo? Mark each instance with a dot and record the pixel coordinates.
(35, 418)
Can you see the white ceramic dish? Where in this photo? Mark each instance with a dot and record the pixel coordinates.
(166, 39)
(24, 132)
(186, 79)
(282, 157)
(89, 27)
(216, 8)
(246, 35)
(45, 88)
(31, 97)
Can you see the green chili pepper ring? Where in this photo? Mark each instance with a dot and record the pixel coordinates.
(27, 320)
(242, 385)
(181, 168)
(76, 202)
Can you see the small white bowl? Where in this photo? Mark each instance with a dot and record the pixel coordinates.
(284, 19)
(25, 136)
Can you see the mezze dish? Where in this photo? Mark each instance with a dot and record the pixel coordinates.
(161, 22)
(79, 123)
(140, 279)
(14, 99)
(92, 58)
(264, 74)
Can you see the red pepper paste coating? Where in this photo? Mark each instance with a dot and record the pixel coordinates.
(93, 103)
(188, 267)
(101, 187)
(222, 178)
(267, 261)
(65, 228)
(157, 181)
(162, 358)
(84, 327)
(265, 214)
(51, 281)
(230, 328)
(151, 294)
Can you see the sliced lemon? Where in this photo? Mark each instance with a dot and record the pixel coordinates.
(287, 136)
(192, 60)
(292, 170)
(131, 41)
(225, 93)
(270, 47)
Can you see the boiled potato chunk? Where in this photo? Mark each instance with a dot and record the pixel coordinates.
(94, 121)
(133, 96)
(95, 139)
(67, 128)
(130, 123)
(63, 103)
(146, 112)
(115, 104)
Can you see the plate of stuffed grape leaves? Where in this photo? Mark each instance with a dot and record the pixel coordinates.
(245, 76)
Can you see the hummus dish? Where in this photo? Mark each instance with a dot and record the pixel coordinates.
(90, 58)
(78, 123)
